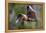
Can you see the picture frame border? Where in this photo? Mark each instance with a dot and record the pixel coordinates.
(22, 2)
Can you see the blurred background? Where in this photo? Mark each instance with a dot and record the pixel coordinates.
(15, 9)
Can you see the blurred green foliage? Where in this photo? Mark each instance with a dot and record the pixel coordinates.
(20, 9)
